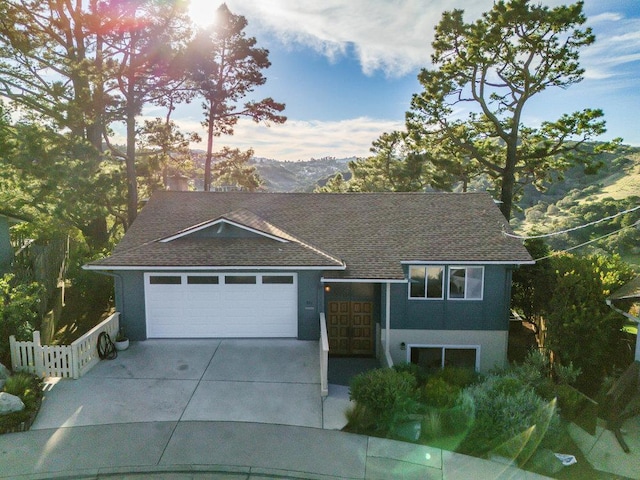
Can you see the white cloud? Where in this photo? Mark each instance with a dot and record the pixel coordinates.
(302, 140)
(617, 44)
(391, 36)
(395, 36)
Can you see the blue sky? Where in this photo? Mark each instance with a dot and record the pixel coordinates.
(346, 70)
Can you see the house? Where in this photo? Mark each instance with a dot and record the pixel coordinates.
(422, 277)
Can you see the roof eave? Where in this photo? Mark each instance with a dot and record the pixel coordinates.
(210, 267)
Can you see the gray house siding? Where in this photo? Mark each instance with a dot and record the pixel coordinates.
(129, 297)
(490, 313)
(310, 299)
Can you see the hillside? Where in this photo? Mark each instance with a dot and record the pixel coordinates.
(297, 176)
(578, 198)
(571, 199)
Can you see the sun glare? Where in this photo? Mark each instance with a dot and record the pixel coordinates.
(203, 12)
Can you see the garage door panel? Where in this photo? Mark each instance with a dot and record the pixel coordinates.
(194, 308)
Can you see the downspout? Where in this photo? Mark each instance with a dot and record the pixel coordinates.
(633, 319)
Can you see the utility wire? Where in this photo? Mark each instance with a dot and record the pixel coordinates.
(587, 243)
(544, 235)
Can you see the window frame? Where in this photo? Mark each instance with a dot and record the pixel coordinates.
(466, 269)
(168, 279)
(426, 268)
(203, 279)
(444, 348)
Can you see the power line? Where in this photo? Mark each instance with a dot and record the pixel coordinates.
(587, 243)
(545, 235)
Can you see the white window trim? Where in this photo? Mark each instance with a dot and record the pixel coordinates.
(426, 282)
(466, 287)
(445, 347)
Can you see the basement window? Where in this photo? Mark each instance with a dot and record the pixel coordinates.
(432, 357)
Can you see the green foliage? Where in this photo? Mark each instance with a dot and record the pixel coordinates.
(458, 376)
(232, 168)
(18, 312)
(510, 419)
(579, 321)
(386, 394)
(532, 285)
(440, 394)
(29, 389)
(531, 48)
(223, 66)
(416, 371)
(25, 386)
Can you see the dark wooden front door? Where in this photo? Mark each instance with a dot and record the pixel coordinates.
(350, 328)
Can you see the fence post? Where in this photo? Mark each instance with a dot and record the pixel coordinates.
(75, 358)
(38, 360)
(14, 353)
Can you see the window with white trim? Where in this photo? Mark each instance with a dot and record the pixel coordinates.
(426, 282)
(432, 357)
(466, 283)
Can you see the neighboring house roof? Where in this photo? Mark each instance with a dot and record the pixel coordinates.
(11, 218)
(630, 290)
(358, 235)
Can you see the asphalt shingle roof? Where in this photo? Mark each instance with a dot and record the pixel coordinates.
(630, 290)
(370, 233)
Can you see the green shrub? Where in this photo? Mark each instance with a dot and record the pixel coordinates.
(459, 376)
(432, 425)
(382, 389)
(438, 393)
(418, 372)
(25, 386)
(386, 394)
(29, 388)
(18, 312)
(510, 419)
(359, 419)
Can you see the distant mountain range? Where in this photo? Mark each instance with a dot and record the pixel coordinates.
(304, 176)
(619, 177)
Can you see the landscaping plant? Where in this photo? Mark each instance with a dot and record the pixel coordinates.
(28, 388)
(18, 312)
(385, 398)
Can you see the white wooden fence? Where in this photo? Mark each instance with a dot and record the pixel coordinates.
(61, 360)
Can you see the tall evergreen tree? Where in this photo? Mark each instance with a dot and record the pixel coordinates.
(492, 68)
(224, 66)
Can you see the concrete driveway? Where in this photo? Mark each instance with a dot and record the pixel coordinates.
(240, 380)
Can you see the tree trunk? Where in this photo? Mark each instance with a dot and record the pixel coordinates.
(508, 180)
(207, 162)
(132, 182)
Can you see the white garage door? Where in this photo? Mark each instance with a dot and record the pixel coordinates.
(191, 305)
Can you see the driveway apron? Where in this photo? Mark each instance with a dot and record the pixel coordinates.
(248, 380)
